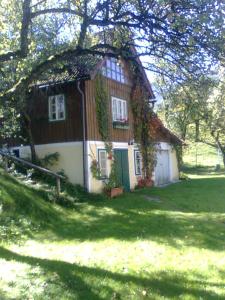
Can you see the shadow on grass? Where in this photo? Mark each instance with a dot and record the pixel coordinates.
(180, 215)
(88, 282)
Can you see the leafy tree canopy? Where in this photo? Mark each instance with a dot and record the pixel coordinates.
(35, 34)
(196, 109)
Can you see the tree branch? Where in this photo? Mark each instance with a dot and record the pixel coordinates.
(22, 52)
(56, 11)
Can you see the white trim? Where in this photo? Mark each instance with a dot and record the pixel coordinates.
(96, 143)
(56, 99)
(123, 110)
(106, 161)
(114, 144)
(59, 144)
(120, 145)
(48, 145)
(135, 151)
(89, 161)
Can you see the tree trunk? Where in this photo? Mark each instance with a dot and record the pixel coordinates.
(184, 132)
(223, 153)
(27, 122)
(197, 124)
(222, 149)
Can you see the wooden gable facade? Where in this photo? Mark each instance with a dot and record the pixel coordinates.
(45, 131)
(71, 129)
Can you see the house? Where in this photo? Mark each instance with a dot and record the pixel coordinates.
(64, 120)
(166, 169)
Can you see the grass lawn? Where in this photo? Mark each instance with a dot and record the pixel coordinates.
(199, 154)
(133, 247)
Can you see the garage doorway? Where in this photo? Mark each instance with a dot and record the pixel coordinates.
(162, 169)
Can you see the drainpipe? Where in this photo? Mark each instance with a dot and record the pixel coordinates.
(84, 134)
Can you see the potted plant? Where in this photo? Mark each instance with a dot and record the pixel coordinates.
(112, 187)
(112, 191)
(145, 182)
(149, 182)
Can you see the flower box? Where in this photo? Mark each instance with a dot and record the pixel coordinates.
(121, 125)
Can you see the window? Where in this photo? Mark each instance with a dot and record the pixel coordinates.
(114, 70)
(16, 152)
(56, 107)
(119, 110)
(102, 161)
(137, 162)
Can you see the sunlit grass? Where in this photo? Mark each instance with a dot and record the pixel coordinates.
(126, 248)
(199, 154)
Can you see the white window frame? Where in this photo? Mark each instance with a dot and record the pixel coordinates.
(136, 162)
(100, 163)
(119, 110)
(57, 111)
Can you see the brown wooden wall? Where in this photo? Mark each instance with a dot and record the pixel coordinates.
(70, 129)
(115, 89)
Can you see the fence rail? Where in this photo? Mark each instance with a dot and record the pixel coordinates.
(7, 156)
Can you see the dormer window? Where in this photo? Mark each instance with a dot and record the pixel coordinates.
(113, 69)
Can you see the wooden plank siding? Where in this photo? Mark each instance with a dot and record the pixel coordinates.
(115, 89)
(70, 129)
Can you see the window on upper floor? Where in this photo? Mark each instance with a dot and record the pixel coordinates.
(137, 162)
(56, 106)
(113, 69)
(119, 110)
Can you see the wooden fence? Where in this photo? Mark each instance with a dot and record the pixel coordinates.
(9, 157)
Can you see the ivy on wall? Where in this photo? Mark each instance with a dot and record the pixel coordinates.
(179, 153)
(102, 114)
(142, 114)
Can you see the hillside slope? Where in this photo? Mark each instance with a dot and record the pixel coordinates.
(23, 209)
(158, 243)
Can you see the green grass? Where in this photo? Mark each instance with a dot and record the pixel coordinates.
(199, 154)
(125, 248)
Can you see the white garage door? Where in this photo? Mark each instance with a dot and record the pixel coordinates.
(162, 170)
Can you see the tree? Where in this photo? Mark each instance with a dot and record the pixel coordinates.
(213, 114)
(184, 33)
(36, 34)
(182, 105)
(196, 109)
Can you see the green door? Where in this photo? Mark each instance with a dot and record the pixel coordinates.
(122, 168)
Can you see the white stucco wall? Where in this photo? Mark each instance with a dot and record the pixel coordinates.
(173, 164)
(71, 161)
(95, 185)
(70, 158)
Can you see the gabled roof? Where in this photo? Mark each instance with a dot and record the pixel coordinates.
(160, 133)
(81, 68)
(72, 69)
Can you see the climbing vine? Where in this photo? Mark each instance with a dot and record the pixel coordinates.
(179, 153)
(102, 113)
(142, 114)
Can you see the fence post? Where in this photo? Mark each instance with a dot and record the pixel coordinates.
(58, 186)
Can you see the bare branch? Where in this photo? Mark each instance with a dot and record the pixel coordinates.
(56, 11)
